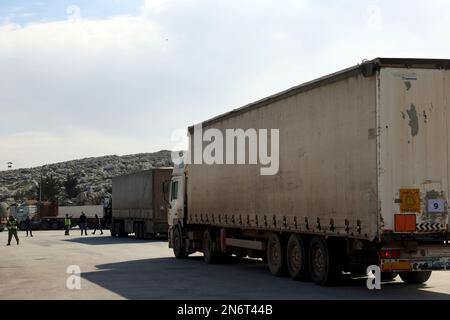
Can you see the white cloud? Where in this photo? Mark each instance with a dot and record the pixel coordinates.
(129, 81)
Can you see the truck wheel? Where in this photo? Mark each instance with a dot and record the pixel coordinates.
(418, 277)
(137, 231)
(322, 262)
(55, 225)
(276, 255)
(210, 255)
(388, 276)
(296, 258)
(45, 225)
(178, 247)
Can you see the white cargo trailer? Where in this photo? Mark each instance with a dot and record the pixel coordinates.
(363, 179)
(138, 204)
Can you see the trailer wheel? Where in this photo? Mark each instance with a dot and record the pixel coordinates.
(137, 230)
(45, 225)
(210, 255)
(113, 229)
(178, 247)
(322, 262)
(55, 225)
(297, 262)
(276, 255)
(417, 277)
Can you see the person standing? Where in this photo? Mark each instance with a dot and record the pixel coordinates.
(83, 223)
(98, 224)
(12, 226)
(67, 224)
(28, 226)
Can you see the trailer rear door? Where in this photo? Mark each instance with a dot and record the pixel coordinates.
(413, 150)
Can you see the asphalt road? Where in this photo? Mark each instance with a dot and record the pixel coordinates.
(116, 268)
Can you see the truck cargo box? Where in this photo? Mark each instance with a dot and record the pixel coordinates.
(363, 153)
(75, 211)
(138, 204)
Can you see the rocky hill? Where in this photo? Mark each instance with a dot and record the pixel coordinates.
(93, 174)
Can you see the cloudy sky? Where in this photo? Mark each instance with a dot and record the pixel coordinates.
(86, 78)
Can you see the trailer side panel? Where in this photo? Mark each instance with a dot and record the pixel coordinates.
(327, 179)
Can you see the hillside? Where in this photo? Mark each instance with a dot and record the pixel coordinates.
(93, 174)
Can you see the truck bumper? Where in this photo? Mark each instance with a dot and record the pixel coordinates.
(432, 258)
(403, 265)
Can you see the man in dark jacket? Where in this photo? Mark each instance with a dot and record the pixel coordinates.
(28, 226)
(83, 223)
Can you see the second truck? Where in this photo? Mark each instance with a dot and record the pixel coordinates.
(138, 204)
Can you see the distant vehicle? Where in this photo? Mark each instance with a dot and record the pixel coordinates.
(138, 204)
(75, 212)
(47, 216)
(363, 178)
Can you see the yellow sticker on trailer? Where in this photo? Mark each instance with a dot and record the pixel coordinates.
(410, 200)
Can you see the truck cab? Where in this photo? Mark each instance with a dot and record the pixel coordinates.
(177, 198)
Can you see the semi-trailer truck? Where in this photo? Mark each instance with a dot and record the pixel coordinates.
(138, 204)
(362, 180)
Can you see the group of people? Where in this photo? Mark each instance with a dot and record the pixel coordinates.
(13, 226)
(83, 224)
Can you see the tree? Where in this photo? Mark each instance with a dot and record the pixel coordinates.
(50, 189)
(71, 186)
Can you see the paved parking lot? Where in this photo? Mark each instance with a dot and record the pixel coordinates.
(115, 268)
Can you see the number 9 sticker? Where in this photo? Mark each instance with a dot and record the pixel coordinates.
(436, 205)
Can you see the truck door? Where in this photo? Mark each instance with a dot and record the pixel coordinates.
(176, 210)
(414, 150)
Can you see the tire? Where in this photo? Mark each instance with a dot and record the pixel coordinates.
(178, 245)
(120, 231)
(55, 225)
(276, 256)
(143, 231)
(388, 276)
(113, 230)
(137, 230)
(45, 225)
(417, 277)
(211, 256)
(296, 258)
(322, 263)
